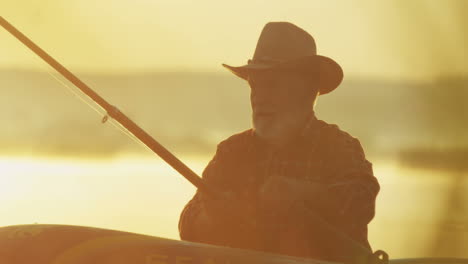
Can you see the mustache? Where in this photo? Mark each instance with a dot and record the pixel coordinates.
(264, 108)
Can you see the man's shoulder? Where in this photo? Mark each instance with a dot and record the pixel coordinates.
(338, 139)
(344, 151)
(236, 141)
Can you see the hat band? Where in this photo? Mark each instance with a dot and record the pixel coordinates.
(263, 60)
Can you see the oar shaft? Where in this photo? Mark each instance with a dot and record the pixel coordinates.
(112, 111)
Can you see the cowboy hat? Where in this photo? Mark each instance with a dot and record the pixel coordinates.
(283, 45)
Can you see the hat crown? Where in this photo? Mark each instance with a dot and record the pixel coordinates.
(282, 41)
(283, 45)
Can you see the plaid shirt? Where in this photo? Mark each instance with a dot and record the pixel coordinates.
(322, 153)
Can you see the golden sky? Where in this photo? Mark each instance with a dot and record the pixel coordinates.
(416, 39)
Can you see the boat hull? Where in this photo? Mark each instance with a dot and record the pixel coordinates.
(63, 244)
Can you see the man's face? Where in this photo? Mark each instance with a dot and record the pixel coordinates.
(278, 100)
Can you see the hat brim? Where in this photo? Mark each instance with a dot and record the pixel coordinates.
(329, 73)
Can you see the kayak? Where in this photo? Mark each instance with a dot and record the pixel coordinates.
(66, 244)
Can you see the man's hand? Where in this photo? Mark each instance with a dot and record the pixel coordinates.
(280, 193)
(228, 209)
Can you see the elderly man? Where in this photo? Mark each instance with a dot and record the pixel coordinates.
(290, 167)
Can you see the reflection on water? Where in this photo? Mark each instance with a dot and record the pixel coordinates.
(131, 194)
(146, 196)
(410, 208)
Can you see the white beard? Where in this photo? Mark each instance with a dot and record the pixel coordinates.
(270, 128)
(279, 128)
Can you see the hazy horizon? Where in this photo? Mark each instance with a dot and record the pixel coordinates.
(208, 107)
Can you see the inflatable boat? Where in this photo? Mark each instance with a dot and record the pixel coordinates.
(64, 244)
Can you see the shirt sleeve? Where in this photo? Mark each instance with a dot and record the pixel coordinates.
(187, 224)
(189, 228)
(352, 190)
